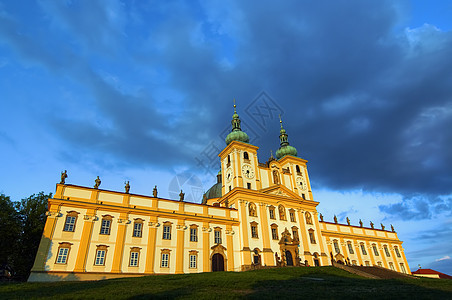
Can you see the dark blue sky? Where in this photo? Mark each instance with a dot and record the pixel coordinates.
(143, 91)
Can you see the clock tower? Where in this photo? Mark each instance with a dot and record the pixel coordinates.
(239, 163)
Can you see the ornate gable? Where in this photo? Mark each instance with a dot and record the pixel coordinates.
(280, 190)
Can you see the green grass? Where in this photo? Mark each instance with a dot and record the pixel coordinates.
(312, 283)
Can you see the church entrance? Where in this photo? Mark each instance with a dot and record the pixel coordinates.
(217, 262)
(289, 260)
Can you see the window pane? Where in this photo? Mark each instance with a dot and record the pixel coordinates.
(137, 229)
(100, 257)
(134, 259)
(69, 225)
(62, 255)
(105, 227)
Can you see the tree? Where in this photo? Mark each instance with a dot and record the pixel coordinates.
(10, 229)
(32, 215)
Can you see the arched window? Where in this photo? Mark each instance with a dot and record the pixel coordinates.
(271, 211)
(274, 229)
(229, 161)
(282, 212)
(350, 248)
(363, 249)
(374, 247)
(336, 246)
(245, 155)
(252, 209)
(297, 168)
(311, 236)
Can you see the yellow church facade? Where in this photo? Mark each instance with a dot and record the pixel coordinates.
(256, 215)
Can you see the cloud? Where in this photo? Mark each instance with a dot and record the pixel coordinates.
(443, 258)
(367, 104)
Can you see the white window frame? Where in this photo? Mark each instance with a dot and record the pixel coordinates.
(217, 236)
(69, 225)
(105, 227)
(62, 256)
(137, 229)
(134, 255)
(166, 232)
(100, 257)
(165, 260)
(193, 261)
(193, 234)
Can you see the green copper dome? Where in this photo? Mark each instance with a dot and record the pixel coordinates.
(236, 134)
(285, 148)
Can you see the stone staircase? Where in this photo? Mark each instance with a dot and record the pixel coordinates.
(373, 272)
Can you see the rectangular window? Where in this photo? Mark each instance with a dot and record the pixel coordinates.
(100, 258)
(134, 259)
(354, 262)
(70, 223)
(397, 251)
(402, 267)
(350, 248)
(274, 233)
(166, 232)
(165, 260)
(367, 263)
(379, 264)
(248, 185)
(312, 237)
(193, 261)
(105, 227)
(303, 196)
(336, 247)
(387, 251)
(295, 234)
(292, 216)
(217, 237)
(375, 250)
(363, 249)
(193, 234)
(272, 214)
(137, 228)
(391, 265)
(62, 255)
(254, 231)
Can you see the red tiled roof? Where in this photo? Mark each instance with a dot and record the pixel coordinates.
(432, 272)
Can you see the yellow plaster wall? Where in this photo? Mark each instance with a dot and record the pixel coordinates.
(77, 192)
(194, 208)
(110, 197)
(140, 201)
(169, 205)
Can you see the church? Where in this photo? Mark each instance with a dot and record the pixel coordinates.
(257, 215)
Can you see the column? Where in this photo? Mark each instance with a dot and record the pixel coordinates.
(265, 230)
(358, 252)
(180, 227)
(119, 244)
(319, 236)
(85, 240)
(150, 246)
(383, 255)
(371, 253)
(206, 247)
(303, 232)
(230, 247)
(246, 254)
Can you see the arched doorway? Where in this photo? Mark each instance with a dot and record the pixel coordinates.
(289, 260)
(217, 262)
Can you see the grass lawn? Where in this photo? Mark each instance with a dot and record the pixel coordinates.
(312, 282)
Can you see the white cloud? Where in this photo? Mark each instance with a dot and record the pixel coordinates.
(443, 258)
